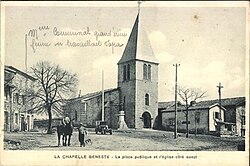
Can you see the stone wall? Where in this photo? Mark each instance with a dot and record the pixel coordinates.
(201, 125)
(88, 111)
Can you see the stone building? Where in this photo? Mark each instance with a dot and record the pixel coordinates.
(137, 91)
(86, 109)
(204, 116)
(16, 114)
(138, 80)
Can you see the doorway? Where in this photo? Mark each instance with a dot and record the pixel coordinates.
(23, 126)
(146, 120)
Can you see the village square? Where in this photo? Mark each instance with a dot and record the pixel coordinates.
(126, 117)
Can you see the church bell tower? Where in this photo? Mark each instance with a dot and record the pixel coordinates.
(138, 79)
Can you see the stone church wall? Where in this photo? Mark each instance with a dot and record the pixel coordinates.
(88, 111)
(144, 87)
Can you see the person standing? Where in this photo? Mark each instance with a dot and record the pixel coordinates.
(66, 120)
(82, 132)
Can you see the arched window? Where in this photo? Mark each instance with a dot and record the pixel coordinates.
(145, 71)
(124, 73)
(128, 72)
(149, 72)
(147, 99)
(75, 115)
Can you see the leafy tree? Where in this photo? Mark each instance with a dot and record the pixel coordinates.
(52, 87)
(189, 95)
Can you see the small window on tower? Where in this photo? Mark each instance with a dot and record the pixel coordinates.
(147, 99)
(76, 116)
(124, 73)
(128, 71)
(149, 72)
(145, 71)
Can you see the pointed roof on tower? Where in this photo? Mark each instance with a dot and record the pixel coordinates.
(138, 46)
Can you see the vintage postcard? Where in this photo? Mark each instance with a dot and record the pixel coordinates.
(125, 82)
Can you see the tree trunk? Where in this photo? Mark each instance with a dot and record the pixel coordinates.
(49, 131)
(195, 124)
(187, 124)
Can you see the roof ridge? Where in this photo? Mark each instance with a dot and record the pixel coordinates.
(92, 94)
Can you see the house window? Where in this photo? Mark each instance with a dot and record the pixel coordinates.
(243, 120)
(6, 94)
(145, 71)
(23, 98)
(124, 73)
(216, 115)
(197, 117)
(14, 98)
(147, 99)
(6, 117)
(16, 118)
(75, 115)
(149, 72)
(228, 127)
(17, 98)
(128, 72)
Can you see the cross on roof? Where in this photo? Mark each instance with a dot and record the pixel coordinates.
(219, 87)
(139, 3)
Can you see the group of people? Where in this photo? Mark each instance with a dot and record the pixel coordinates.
(82, 132)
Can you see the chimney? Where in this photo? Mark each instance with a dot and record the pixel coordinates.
(80, 93)
(192, 103)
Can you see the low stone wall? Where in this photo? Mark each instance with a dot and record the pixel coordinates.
(45, 123)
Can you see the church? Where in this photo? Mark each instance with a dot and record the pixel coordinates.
(136, 94)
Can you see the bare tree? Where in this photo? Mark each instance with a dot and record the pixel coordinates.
(53, 86)
(189, 95)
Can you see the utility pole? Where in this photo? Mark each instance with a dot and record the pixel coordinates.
(102, 95)
(26, 87)
(175, 114)
(219, 90)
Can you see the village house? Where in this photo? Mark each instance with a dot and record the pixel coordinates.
(16, 114)
(204, 116)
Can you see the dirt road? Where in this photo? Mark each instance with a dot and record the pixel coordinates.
(134, 140)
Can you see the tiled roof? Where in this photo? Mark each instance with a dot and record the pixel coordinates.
(15, 70)
(166, 106)
(91, 95)
(224, 102)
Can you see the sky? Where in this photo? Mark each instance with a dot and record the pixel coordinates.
(209, 43)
